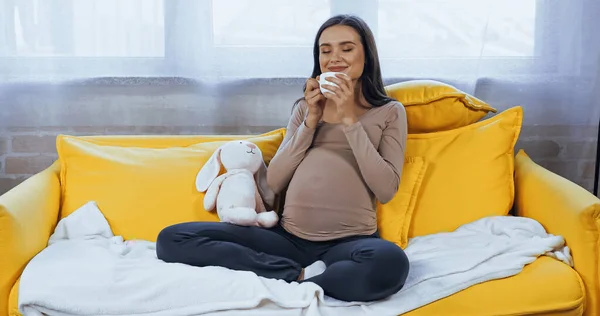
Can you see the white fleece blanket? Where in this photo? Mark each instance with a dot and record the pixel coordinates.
(85, 270)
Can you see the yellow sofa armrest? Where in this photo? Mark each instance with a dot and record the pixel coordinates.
(564, 209)
(28, 216)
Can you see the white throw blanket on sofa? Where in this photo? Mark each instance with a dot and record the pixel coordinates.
(86, 270)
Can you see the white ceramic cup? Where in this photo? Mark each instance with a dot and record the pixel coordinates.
(322, 80)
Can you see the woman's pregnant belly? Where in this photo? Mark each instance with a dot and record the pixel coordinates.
(327, 197)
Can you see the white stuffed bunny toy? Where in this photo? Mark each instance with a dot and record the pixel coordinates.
(237, 193)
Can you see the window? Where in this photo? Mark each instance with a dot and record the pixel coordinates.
(41, 39)
(267, 23)
(261, 38)
(456, 29)
(90, 28)
(459, 37)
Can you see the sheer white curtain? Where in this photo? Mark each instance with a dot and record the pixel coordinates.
(543, 55)
(223, 39)
(272, 38)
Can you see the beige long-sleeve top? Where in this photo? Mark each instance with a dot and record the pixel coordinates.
(334, 174)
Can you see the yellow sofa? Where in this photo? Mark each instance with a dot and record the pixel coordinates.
(30, 211)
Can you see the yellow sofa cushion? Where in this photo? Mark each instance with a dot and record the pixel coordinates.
(544, 287)
(433, 106)
(394, 217)
(469, 173)
(140, 190)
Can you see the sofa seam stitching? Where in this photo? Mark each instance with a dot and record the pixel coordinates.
(596, 216)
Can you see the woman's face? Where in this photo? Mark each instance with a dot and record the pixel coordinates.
(340, 50)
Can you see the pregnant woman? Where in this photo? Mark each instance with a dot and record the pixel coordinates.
(343, 151)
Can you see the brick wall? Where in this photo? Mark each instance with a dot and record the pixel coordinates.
(566, 150)
(569, 151)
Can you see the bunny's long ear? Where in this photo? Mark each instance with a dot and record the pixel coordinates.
(266, 193)
(209, 171)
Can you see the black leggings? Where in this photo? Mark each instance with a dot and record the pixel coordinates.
(359, 268)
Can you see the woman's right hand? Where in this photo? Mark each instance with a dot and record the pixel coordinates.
(315, 101)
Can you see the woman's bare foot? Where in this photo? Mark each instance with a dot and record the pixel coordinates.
(301, 276)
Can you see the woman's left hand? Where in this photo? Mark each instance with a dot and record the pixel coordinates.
(343, 97)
